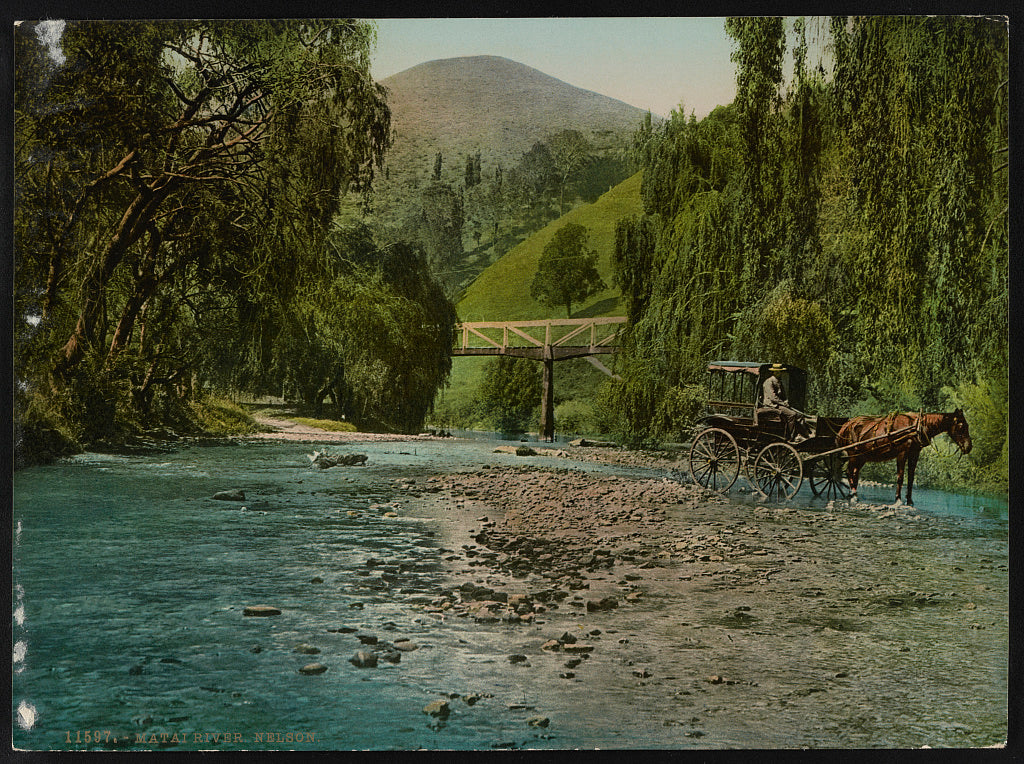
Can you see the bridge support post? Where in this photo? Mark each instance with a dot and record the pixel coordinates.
(547, 396)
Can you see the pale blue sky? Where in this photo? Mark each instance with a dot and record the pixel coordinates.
(651, 63)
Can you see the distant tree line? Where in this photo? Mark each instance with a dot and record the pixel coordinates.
(852, 222)
(177, 230)
(494, 207)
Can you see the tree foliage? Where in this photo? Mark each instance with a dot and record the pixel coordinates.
(176, 187)
(851, 218)
(567, 270)
(510, 393)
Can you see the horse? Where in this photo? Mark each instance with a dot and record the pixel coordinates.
(905, 449)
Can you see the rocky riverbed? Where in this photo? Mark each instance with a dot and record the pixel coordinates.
(732, 622)
(436, 594)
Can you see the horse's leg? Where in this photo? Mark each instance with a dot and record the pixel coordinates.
(911, 468)
(901, 462)
(853, 466)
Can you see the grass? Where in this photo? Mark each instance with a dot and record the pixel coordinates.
(220, 417)
(331, 425)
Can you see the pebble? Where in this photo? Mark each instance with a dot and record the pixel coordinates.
(607, 603)
(261, 611)
(578, 648)
(363, 659)
(439, 709)
(234, 495)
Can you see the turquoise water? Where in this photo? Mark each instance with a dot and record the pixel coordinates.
(130, 582)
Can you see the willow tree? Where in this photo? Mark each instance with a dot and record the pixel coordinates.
(852, 220)
(162, 158)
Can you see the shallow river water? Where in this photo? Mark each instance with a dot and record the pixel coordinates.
(861, 629)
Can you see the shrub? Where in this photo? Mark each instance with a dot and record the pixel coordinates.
(576, 417)
(331, 425)
(219, 417)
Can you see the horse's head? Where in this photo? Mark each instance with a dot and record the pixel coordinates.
(959, 431)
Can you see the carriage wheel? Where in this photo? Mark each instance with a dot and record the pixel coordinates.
(715, 460)
(778, 472)
(828, 477)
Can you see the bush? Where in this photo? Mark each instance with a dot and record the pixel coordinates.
(219, 417)
(510, 393)
(576, 417)
(41, 434)
(331, 425)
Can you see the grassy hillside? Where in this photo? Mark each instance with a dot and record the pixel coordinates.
(502, 292)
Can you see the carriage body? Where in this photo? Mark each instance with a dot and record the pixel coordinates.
(738, 433)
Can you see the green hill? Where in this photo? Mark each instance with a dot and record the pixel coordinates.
(502, 292)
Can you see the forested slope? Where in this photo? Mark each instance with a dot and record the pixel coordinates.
(851, 222)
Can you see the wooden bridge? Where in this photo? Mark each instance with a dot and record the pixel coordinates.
(547, 341)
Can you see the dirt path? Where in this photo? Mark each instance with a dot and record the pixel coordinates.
(284, 429)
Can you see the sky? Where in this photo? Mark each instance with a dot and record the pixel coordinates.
(658, 64)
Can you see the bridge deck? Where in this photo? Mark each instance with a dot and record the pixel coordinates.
(555, 339)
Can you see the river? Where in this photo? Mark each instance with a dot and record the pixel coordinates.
(852, 627)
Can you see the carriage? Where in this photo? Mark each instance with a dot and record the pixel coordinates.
(740, 434)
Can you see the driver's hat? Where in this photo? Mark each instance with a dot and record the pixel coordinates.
(777, 367)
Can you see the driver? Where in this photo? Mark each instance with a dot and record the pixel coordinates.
(775, 398)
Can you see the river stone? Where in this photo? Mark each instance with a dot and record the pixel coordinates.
(261, 611)
(392, 656)
(367, 639)
(607, 603)
(363, 659)
(439, 709)
(578, 648)
(313, 668)
(405, 645)
(517, 658)
(538, 721)
(567, 639)
(305, 649)
(551, 644)
(235, 495)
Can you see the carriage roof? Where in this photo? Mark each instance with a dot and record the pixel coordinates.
(755, 368)
(734, 387)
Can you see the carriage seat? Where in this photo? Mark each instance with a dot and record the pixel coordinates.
(765, 414)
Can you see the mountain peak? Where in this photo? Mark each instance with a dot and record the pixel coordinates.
(459, 105)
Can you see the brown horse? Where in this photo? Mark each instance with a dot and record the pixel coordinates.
(905, 447)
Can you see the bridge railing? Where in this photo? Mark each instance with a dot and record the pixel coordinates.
(499, 336)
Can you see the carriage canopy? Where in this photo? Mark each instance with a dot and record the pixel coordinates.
(736, 387)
